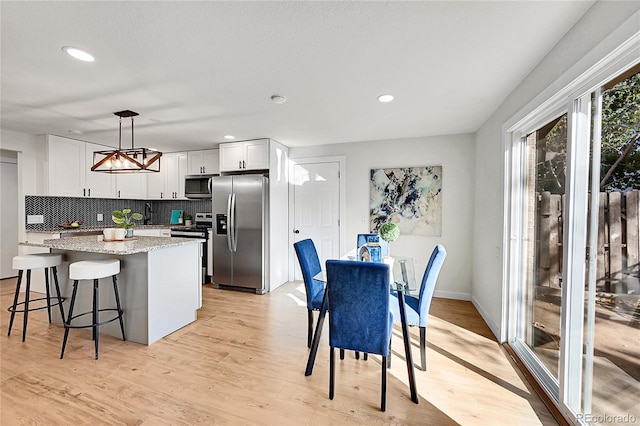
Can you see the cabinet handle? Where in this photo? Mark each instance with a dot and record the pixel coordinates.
(239, 164)
(161, 194)
(244, 165)
(89, 192)
(84, 192)
(118, 193)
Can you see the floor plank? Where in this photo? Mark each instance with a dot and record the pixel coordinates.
(243, 362)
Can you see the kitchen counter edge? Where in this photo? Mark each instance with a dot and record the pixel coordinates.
(95, 244)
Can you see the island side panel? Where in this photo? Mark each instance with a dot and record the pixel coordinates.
(174, 288)
(132, 287)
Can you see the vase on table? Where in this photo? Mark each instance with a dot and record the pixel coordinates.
(129, 233)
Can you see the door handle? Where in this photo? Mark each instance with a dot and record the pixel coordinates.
(297, 231)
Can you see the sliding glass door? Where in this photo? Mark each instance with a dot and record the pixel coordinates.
(574, 251)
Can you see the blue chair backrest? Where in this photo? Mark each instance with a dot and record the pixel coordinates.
(359, 316)
(310, 266)
(429, 280)
(384, 246)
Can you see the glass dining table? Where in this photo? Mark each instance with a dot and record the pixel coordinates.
(404, 281)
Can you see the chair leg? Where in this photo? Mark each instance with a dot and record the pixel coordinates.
(46, 287)
(68, 321)
(120, 313)
(357, 355)
(309, 327)
(423, 348)
(96, 318)
(383, 391)
(332, 369)
(15, 301)
(341, 353)
(26, 305)
(365, 356)
(55, 281)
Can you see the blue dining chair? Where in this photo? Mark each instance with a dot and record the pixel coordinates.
(417, 308)
(359, 316)
(384, 246)
(310, 266)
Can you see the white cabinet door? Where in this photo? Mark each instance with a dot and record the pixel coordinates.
(66, 174)
(176, 171)
(146, 232)
(257, 154)
(132, 185)
(247, 155)
(211, 161)
(231, 156)
(157, 182)
(97, 184)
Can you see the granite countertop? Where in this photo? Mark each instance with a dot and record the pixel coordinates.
(95, 244)
(61, 230)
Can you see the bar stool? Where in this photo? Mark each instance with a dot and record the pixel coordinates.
(28, 262)
(93, 270)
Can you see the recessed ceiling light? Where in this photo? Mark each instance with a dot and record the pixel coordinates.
(78, 54)
(76, 132)
(278, 99)
(385, 98)
(229, 137)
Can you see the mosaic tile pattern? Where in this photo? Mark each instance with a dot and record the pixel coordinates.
(57, 210)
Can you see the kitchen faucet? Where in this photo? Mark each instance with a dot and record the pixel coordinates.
(148, 211)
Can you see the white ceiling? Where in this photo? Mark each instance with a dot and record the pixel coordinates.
(196, 71)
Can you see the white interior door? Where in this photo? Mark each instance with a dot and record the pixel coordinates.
(8, 216)
(317, 208)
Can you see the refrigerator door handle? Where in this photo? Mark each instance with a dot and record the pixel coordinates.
(234, 228)
(229, 223)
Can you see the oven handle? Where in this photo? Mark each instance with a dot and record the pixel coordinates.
(187, 234)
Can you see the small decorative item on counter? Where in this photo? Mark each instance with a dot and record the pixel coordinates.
(70, 224)
(125, 219)
(187, 220)
(389, 232)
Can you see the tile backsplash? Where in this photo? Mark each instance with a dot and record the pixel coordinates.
(57, 210)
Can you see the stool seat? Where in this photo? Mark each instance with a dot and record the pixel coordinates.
(94, 269)
(35, 261)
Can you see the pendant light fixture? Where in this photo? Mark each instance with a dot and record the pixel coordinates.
(126, 160)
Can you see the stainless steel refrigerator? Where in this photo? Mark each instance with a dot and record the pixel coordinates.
(240, 232)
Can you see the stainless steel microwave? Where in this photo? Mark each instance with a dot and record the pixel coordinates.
(197, 186)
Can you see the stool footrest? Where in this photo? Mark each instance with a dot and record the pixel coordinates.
(13, 308)
(91, 313)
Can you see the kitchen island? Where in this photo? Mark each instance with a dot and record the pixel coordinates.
(159, 282)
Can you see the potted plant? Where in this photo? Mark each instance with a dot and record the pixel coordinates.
(125, 219)
(389, 232)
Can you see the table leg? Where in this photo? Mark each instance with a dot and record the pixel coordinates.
(316, 335)
(407, 348)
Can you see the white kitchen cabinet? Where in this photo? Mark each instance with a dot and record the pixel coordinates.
(245, 155)
(132, 185)
(204, 162)
(97, 184)
(155, 232)
(169, 182)
(67, 171)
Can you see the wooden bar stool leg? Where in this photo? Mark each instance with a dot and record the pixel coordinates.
(96, 327)
(55, 281)
(15, 301)
(115, 290)
(46, 286)
(26, 305)
(68, 321)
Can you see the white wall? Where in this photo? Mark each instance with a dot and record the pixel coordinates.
(455, 153)
(579, 49)
(25, 145)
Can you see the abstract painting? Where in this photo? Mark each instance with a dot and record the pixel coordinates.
(411, 197)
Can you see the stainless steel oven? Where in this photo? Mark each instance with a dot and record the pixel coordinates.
(200, 229)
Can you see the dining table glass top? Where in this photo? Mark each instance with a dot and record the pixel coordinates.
(403, 270)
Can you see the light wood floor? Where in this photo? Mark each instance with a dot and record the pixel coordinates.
(243, 362)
